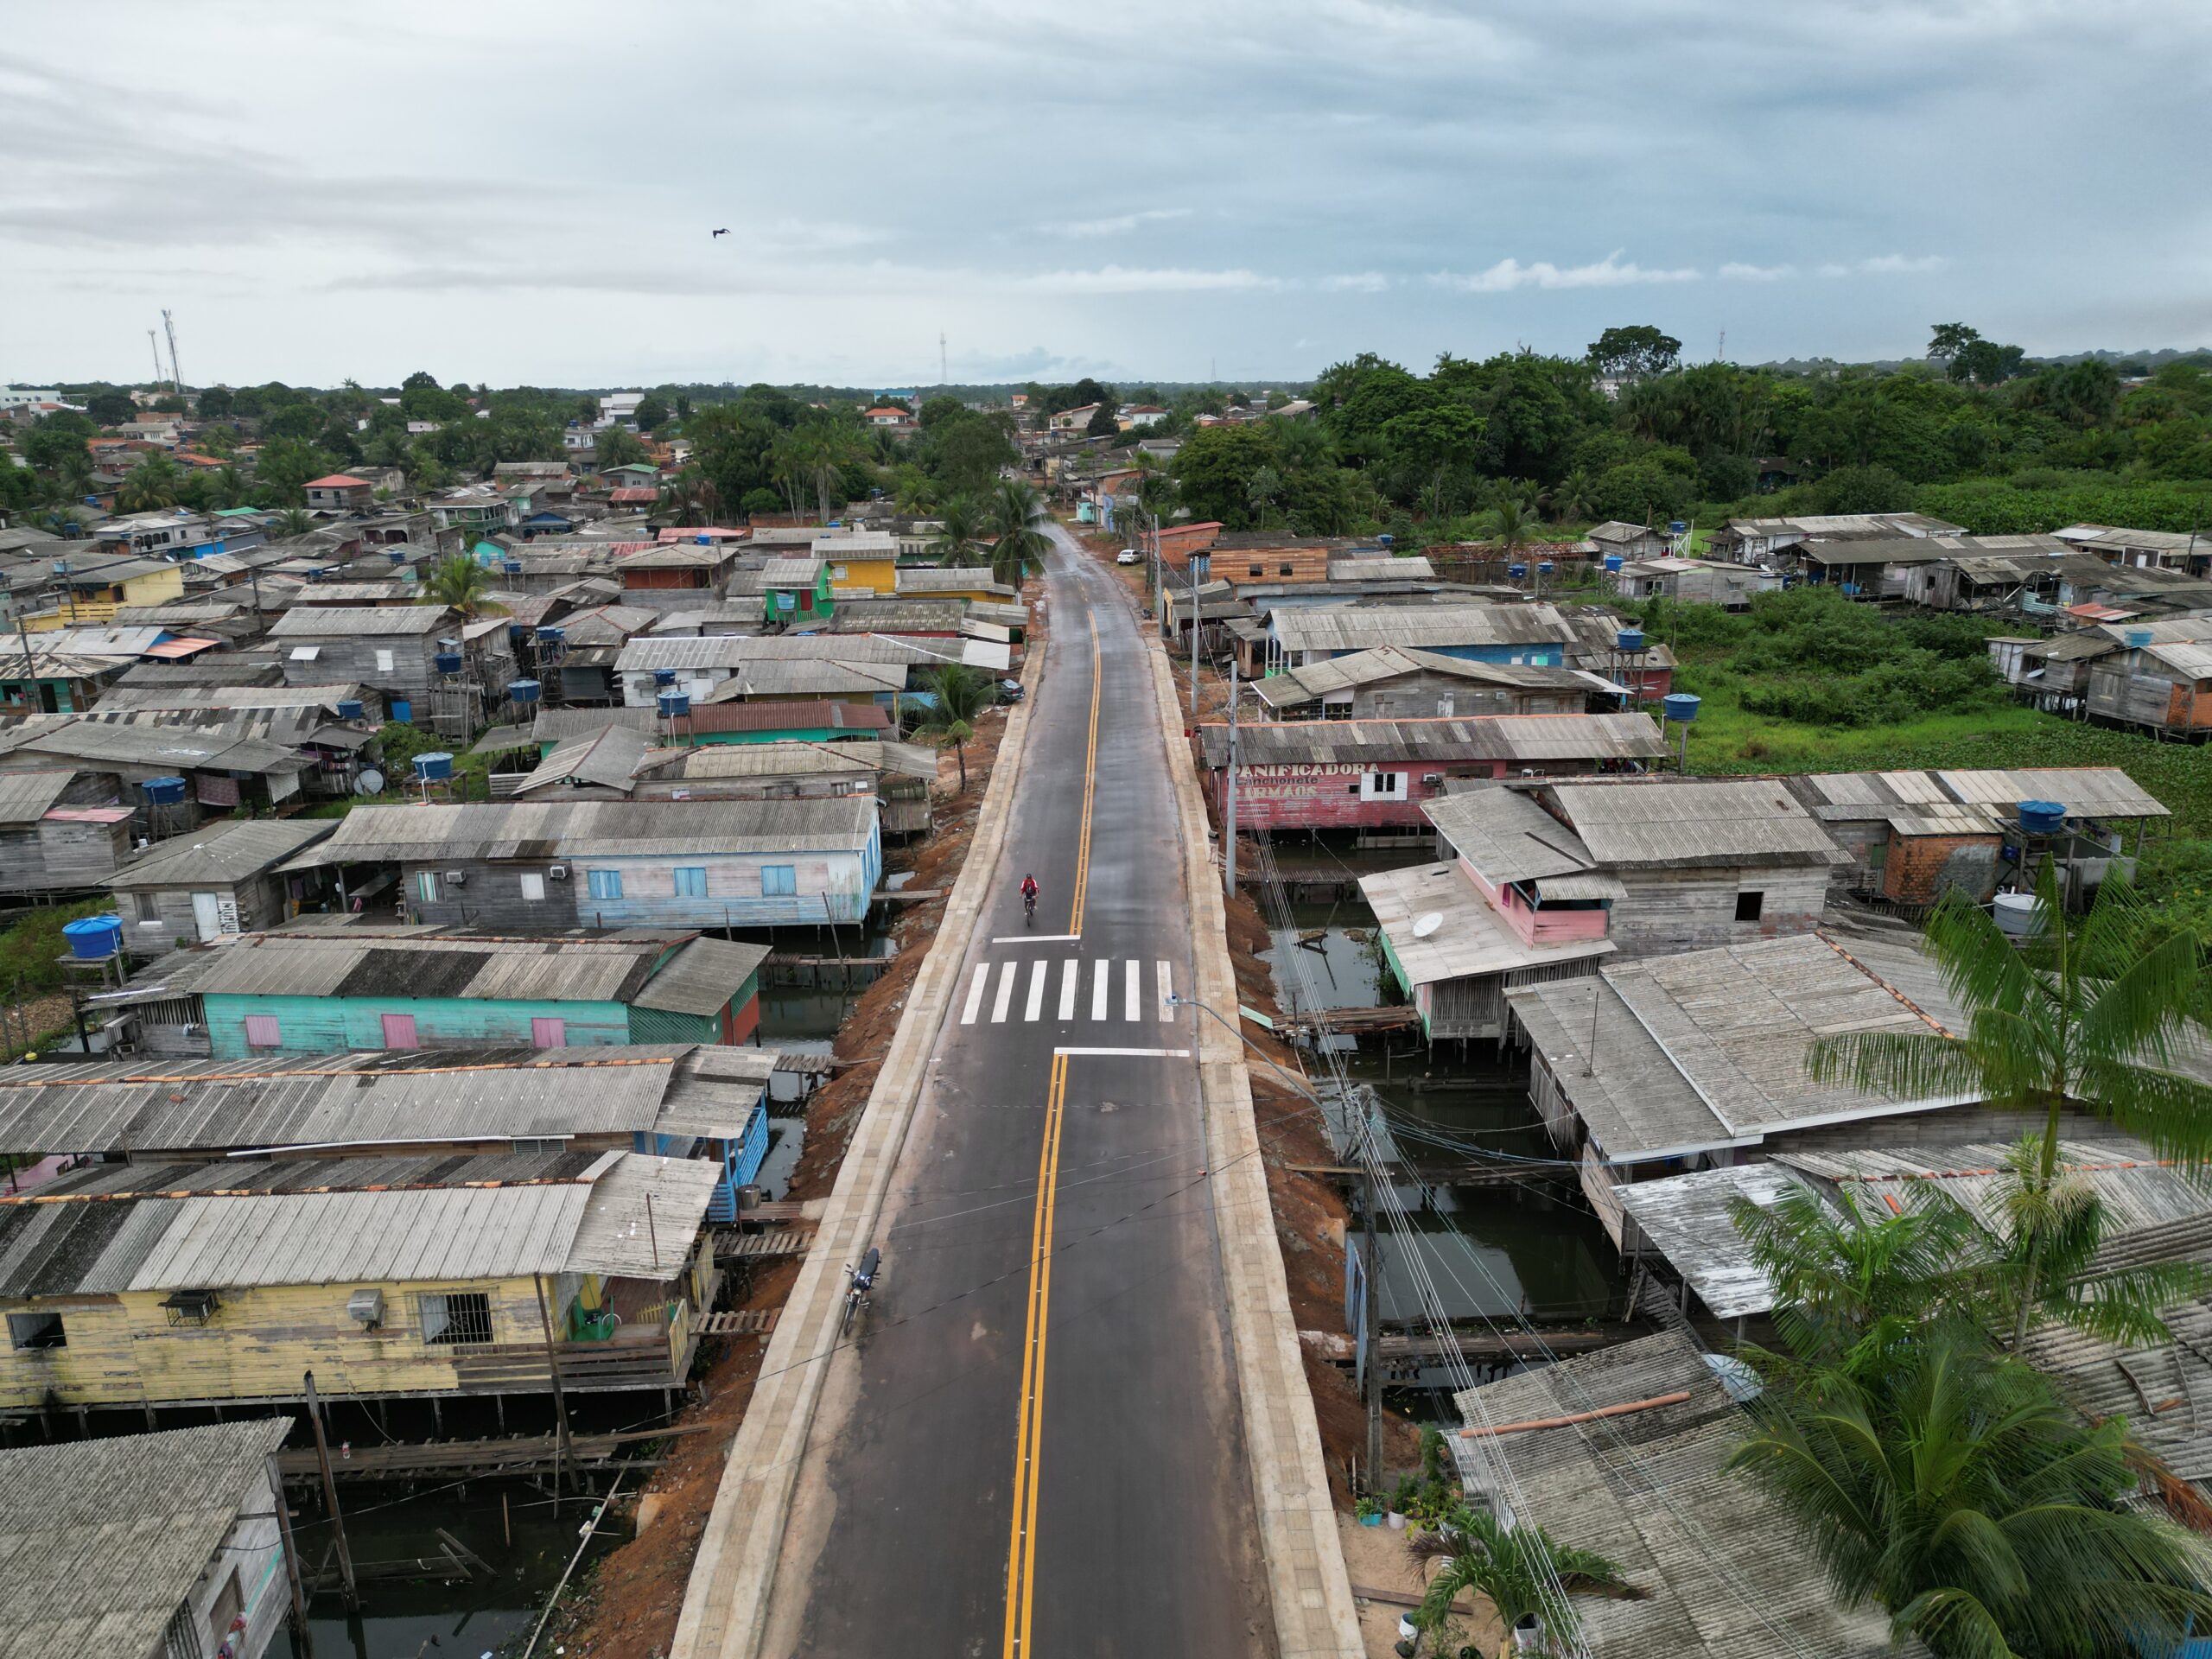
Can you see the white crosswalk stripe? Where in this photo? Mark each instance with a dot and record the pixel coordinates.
(1035, 1003)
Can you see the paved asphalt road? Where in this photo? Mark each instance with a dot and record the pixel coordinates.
(1036, 1451)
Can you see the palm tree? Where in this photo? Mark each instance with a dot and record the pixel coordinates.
(1262, 490)
(684, 496)
(149, 486)
(2087, 1014)
(293, 521)
(459, 583)
(1576, 496)
(960, 525)
(1509, 524)
(1519, 1569)
(1017, 518)
(1956, 1492)
(958, 696)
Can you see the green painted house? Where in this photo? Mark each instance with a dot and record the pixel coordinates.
(337, 990)
(796, 591)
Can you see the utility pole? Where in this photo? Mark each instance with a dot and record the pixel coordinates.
(330, 1496)
(153, 339)
(1229, 817)
(1371, 1307)
(177, 376)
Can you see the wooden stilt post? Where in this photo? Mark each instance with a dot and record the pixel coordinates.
(290, 1552)
(561, 1450)
(350, 1591)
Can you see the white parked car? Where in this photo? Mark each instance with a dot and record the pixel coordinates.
(1127, 556)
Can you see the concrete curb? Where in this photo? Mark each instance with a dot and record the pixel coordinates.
(725, 1600)
(1306, 1578)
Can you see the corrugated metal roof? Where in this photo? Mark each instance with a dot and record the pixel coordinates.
(1506, 835)
(337, 964)
(381, 1097)
(609, 758)
(702, 977)
(810, 679)
(178, 746)
(225, 851)
(1470, 938)
(102, 1540)
(932, 579)
(25, 796)
(1686, 1218)
(545, 830)
(860, 756)
(1362, 628)
(1744, 1582)
(1693, 821)
(2085, 792)
(354, 621)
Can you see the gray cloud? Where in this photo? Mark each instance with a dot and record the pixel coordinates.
(1296, 180)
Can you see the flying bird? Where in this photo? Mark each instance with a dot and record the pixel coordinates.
(724, 232)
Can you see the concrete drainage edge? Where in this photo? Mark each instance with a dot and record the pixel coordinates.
(1308, 1584)
(725, 1599)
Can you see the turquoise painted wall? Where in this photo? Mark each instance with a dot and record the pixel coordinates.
(330, 1025)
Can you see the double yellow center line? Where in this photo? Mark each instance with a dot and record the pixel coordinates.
(1090, 789)
(1021, 1550)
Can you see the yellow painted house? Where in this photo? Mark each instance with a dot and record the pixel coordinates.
(98, 591)
(129, 1284)
(954, 581)
(863, 564)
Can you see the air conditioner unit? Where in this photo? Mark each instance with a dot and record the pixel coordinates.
(456, 878)
(1432, 778)
(365, 1307)
(557, 872)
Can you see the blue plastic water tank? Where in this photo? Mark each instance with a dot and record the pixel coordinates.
(525, 692)
(512, 567)
(165, 791)
(675, 704)
(433, 767)
(1629, 639)
(1850, 589)
(397, 556)
(1544, 567)
(448, 661)
(1675, 526)
(551, 636)
(1681, 707)
(1386, 540)
(1516, 571)
(663, 676)
(704, 541)
(2041, 817)
(1613, 562)
(95, 938)
(2137, 637)
(351, 709)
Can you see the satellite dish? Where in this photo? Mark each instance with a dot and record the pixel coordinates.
(1428, 924)
(370, 781)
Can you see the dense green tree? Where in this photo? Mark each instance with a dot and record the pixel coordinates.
(616, 446)
(1102, 423)
(110, 407)
(963, 450)
(303, 420)
(151, 485)
(216, 403)
(651, 414)
(1639, 349)
(56, 443)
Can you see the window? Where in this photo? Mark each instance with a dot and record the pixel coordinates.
(426, 887)
(1749, 905)
(691, 881)
(400, 1031)
(452, 1317)
(779, 880)
(261, 1032)
(533, 886)
(604, 884)
(384, 663)
(36, 1331)
(1383, 786)
(548, 1032)
(1286, 568)
(225, 1608)
(1256, 570)
(149, 905)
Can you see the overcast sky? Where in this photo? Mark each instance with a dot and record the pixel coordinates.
(1257, 189)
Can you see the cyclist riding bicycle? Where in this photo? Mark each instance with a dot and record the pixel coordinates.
(1029, 893)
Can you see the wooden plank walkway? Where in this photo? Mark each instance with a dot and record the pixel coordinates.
(743, 1322)
(513, 1454)
(756, 1247)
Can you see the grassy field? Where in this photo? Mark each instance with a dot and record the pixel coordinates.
(1727, 738)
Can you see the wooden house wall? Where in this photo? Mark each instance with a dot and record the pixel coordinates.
(2144, 697)
(337, 1025)
(1328, 794)
(1425, 695)
(832, 887)
(261, 901)
(1666, 910)
(122, 1349)
(60, 853)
